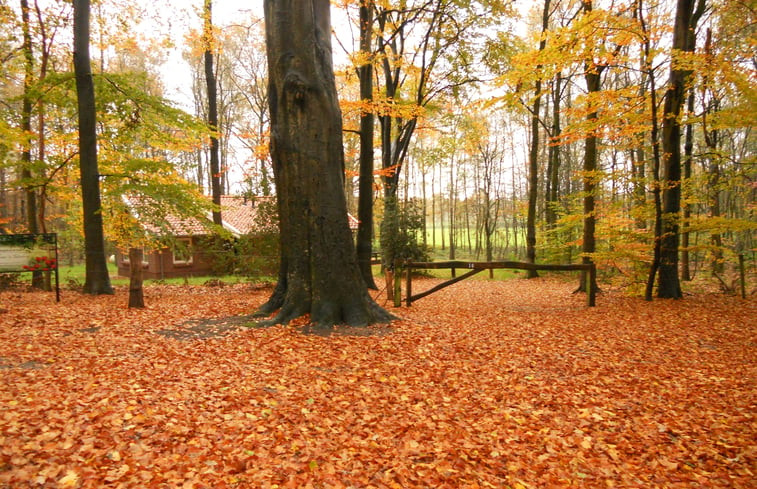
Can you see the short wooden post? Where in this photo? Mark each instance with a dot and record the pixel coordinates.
(409, 285)
(389, 279)
(591, 291)
(57, 266)
(742, 274)
(397, 283)
(136, 296)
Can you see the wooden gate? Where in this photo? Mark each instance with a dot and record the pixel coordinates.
(476, 267)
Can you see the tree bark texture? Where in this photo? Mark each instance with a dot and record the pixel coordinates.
(649, 72)
(210, 81)
(97, 280)
(712, 140)
(688, 148)
(668, 282)
(553, 159)
(26, 127)
(365, 181)
(319, 273)
(593, 84)
(533, 182)
(533, 157)
(593, 78)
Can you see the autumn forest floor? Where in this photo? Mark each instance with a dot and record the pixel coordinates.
(509, 384)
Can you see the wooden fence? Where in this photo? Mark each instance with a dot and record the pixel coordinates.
(476, 267)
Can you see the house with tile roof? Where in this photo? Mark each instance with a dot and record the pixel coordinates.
(188, 256)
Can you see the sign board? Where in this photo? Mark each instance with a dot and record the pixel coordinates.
(30, 253)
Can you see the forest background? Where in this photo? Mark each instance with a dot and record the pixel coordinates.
(495, 124)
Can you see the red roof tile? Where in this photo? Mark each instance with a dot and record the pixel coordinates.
(238, 214)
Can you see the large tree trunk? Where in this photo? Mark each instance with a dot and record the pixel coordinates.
(97, 280)
(668, 283)
(319, 273)
(365, 182)
(210, 80)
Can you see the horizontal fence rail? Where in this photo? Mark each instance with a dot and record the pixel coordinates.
(478, 266)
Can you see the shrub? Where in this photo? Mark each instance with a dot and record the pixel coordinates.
(401, 234)
(252, 255)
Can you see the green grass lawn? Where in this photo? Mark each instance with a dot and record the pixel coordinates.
(499, 274)
(74, 277)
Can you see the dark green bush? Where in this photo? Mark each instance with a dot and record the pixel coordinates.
(252, 255)
(401, 233)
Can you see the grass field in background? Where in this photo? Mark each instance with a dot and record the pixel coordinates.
(461, 249)
(73, 276)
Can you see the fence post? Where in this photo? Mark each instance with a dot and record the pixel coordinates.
(409, 284)
(397, 283)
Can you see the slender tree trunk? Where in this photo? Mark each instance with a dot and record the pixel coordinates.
(319, 271)
(514, 213)
(41, 142)
(365, 181)
(3, 192)
(200, 170)
(533, 157)
(688, 148)
(647, 68)
(713, 181)
(638, 154)
(441, 207)
(97, 280)
(433, 210)
(466, 209)
(210, 80)
(425, 208)
(26, 127)
(590, 182)
(553, 175)
(452, 209)
(593, 78)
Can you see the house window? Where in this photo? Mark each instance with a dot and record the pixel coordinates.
(125, 258)
(182, 252)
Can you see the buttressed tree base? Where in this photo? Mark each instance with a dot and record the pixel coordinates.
(319, 273)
